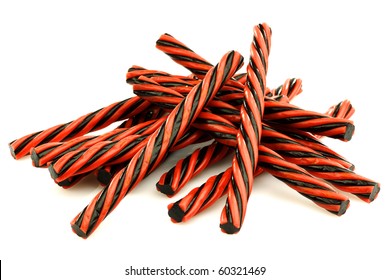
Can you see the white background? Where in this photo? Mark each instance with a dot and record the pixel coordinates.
(59, 61)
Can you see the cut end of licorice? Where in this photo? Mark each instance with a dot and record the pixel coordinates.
(229, 228)
(343, 208)
(104, 177)
(374, 192)
(35, 158)
(53, 173)
(78, 231)
(65, 183)
(13, 154)
(350, 129)
(165, 189)
(371, 196)
(176, 213)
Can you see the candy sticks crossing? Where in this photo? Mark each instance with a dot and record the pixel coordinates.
(230, 114)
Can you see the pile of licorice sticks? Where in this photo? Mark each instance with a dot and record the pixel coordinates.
(231, 114)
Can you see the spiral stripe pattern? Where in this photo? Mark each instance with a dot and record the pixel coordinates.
(249, 135)
(87, 123)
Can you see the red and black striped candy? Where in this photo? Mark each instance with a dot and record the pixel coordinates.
(285, 114)
(249, 135)
(87, 123)
(52, 152)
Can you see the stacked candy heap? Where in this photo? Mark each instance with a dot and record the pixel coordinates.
(230, 113)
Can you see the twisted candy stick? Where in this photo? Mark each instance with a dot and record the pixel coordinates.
(134, 72)
(93, 153)
(186, 57)
(182, 85)
(320, 166)
(342, 110)
(87, 123)
(100, 154)
(232, 94)
(290, 89)
(281, 113)
(300, 180)
(311, 141)
(319, 191)
(149, 157)
(249, 135)
(200, 198)
(183, 55)
(168, 98)
(46, 153)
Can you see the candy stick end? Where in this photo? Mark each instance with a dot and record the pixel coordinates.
(35, 158)
(370, 197)
(65, 183)
(104, 177)
(374, 192)
(343, 208)
(229, 228)
(350, 129)
(76, 229)
(53, 173)
(13, 154)
(175, 212)
(165, 189)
